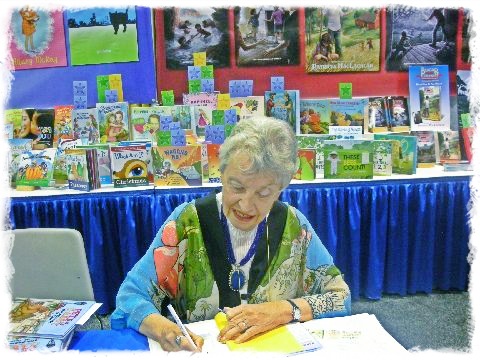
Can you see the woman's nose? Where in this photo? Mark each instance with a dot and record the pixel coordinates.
(246, 202)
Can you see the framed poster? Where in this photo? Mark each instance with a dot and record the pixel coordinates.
(189, 31)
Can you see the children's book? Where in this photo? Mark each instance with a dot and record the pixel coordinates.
(283, 105)
(129, 165)
(447, 147)
(177, 165)
(35, 168)
(465, 125)
(85, 125)
(42, 126)
(377, 115)
(62, 128)
(60, 173)
(201, 99)
(145, 123)
(404, 152)
(348, 159)
(355, 47)
(346, 132)
(429, 97)
(349, 112)
(14, 117)
(314, 117)
(46, 318)
(426, 152)
(248, 106)
(104, 163)
(213, 156)
(113, 120)
(41, 345)
(82, 169)
(382, 158)
(16, 148)
(148, 147)
(398, 114)
(316, 143)
(306, 167)
(202, 117)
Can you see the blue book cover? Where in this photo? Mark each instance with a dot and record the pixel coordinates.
(429, 97)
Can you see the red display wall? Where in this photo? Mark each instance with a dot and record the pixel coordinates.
(310, 85)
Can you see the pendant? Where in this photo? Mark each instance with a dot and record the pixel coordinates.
(236, 279)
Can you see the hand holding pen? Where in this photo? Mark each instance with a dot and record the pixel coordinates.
(184, 341)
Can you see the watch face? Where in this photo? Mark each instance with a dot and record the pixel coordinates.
(296, 314)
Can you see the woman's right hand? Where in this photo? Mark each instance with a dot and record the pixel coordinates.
(168, 334)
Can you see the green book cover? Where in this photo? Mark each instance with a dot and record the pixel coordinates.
(348, 159)
(404, 152)
(316, 143)
(382, 158)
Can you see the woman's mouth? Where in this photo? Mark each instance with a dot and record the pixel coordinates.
(241, 216)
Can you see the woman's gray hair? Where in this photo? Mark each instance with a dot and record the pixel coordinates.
(270, 144)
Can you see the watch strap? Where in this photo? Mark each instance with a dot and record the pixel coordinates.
(296, 313)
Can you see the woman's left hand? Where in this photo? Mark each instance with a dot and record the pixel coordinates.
(246, 321)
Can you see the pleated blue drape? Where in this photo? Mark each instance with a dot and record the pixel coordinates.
(391, 236)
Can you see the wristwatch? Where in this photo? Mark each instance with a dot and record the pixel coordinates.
(296, 313)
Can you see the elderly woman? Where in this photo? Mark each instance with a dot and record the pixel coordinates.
(240, 249)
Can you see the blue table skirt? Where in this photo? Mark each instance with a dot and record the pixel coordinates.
(387, 236)
(108, 340)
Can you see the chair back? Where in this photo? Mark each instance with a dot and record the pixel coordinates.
(50, 263)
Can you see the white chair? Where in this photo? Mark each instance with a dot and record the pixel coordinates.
(50, 263)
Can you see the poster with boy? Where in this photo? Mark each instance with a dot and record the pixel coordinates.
(188, 31)
(37, 39)
(429, 98)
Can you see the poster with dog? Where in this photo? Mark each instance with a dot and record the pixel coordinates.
(341, 39)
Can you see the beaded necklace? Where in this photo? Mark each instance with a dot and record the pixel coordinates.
(236, 278)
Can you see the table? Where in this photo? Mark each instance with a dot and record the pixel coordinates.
(398, 235)
(356, 333)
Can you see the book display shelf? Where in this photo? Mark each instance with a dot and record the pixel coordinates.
(401, 232)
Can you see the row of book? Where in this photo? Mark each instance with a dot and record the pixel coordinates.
(46, 325)
(125, 164)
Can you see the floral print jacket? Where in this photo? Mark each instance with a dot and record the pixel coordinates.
(187, 266)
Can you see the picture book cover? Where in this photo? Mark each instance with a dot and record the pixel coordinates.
(429, 97)
(382, 158)
(283, 105)
(426, 152)
(81, 171)
(15, 117)
(213, 158)
(339, 39)
(42, 126)
(447, 147)
(145, 123)
(266, 36)
(35, 168)
(465, 125)
(177, 165)
(62, 124)
(103, 162)
(420, 36)
(314, 117)
(148, 147)
(46, 318)
(129, 165)
(398, 114)
(113, 122)
(348, 159)
(377, 115)
(306, 167)
(316, 143)
(248, 106)
(349, 112)
(60, 173)
(85, 125)
(102, 35)
(202, 117)
(37, 39)
(15, 148)
(404, 152)
(192, 30)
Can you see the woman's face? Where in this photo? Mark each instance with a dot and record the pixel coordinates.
(247, 199)
(26, 123)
